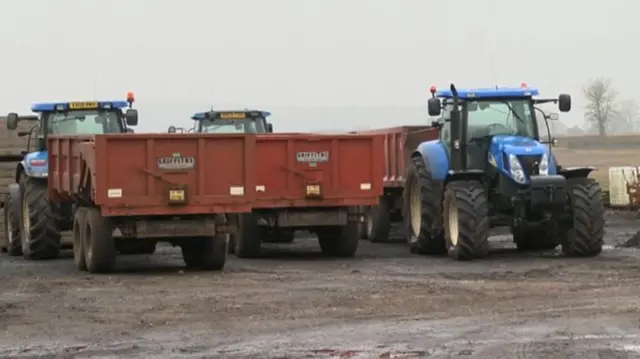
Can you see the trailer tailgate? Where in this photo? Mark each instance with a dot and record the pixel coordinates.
(145, 174)
(313, 170)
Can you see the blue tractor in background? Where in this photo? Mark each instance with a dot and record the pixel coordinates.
(32, 223)
(240, 121)
(488, 169)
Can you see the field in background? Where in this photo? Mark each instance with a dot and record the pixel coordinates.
(600, 152)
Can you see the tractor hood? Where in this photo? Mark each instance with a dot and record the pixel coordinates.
(518, 145)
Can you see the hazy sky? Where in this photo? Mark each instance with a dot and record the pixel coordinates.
(184, 56)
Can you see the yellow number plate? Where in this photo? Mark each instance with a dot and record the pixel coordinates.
(83, 105)
(176, 195)
(313, 190)
(233, 115)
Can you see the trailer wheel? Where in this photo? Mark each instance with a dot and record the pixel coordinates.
(339, 241)
(583, 237)
(99, 246)
(12, 225)
(40, 239)
(466, 220)
(378, 221)
(79, 225)
(247, 241)
(421, 208)
(207, 253)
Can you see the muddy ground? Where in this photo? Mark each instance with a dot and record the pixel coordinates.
(385, 303)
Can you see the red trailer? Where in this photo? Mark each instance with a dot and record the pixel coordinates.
(399, 144)
(312, 182)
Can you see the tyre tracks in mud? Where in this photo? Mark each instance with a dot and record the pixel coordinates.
(385, 303)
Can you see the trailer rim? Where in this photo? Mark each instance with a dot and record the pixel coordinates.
(416, 207)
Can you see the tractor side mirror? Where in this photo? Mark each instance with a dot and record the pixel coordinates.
(564, 102)
(12, 121)
(434, 106)
(131, 117)
(269, 128)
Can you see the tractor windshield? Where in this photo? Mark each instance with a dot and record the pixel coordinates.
(500, 117)
(248, 125)
(84, 122)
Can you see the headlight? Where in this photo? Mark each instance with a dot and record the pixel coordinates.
(543, 167)
(515, 168)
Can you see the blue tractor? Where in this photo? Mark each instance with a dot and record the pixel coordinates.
(489, 168)
(241, 121)
(33, 223)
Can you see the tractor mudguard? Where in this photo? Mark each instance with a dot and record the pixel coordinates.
(548, 192)
(435, 158)
(575, 172)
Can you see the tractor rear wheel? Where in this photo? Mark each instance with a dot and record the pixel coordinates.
(207, 253)
(378, 221)
(583, 237)
(537, 239)
(248, 243)
(421, 209)
(40, 239)
(339, 241)
(78, 232)
(98, 244)
(12, 225)
(466, 220)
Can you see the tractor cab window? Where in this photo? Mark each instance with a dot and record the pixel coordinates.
(248, 125)
(84, 122)
(500, 117)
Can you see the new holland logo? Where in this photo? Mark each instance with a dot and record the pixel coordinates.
(176, 162)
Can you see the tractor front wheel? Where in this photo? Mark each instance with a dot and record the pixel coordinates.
(466, 220)
(40, 239)
(583, 236)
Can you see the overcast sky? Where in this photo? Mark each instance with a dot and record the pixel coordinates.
(183, 56)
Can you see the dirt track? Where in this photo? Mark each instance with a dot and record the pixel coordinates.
(383, 304)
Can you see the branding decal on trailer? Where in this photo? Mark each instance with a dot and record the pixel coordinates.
(312, 157)
(176, 162)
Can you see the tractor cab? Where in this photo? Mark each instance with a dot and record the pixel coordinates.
(243, 121)
(69, 118)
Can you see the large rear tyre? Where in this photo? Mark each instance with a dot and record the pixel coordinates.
(247, 239)
(78, 232)
(583, 236)
(339, 241)
(421, 210)
(99, 246)
(207, 253)
(39, 236)
(537, 239)
(378, 221)
(466, 220)
(12, 225)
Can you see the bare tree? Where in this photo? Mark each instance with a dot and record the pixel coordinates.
(601, 99)
(628, 116)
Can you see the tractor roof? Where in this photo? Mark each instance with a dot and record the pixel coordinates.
(82, 105)
(475, 93)
(235, 114)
